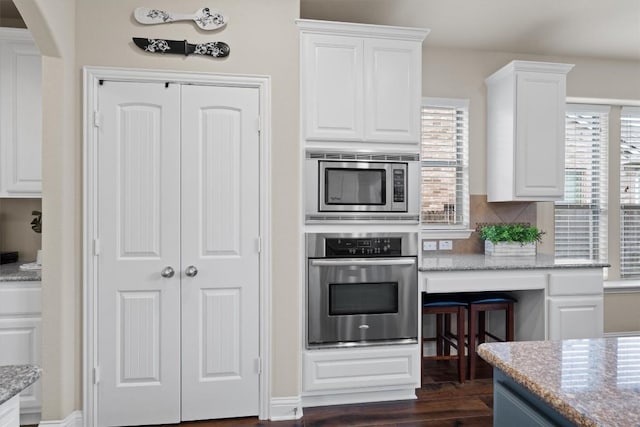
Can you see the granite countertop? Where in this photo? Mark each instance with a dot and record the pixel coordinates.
(12, 273)
(487, 262)
(15, 378)
(592, 382)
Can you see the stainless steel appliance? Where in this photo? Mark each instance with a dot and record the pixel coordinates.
(362, 289)
(361, 186)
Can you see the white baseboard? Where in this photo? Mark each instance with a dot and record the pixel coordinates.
(73, 420)
(358, 397)
(621, 334)
(286, 408)
(30, 418)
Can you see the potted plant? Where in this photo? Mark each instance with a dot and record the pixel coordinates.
(510, 239)
(36, 225)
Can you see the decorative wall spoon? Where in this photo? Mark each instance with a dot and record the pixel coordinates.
(205, 18)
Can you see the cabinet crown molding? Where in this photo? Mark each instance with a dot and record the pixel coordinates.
(534, 66)
(7, 33)
(370, 30)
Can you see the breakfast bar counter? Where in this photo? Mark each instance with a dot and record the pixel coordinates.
(584, 382)
(476, 262)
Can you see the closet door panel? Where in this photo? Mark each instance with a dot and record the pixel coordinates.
(220, 230)
(139, 236)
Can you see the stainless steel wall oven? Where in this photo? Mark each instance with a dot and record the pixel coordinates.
(362, 289)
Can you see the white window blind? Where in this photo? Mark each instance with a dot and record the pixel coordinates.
(445, 164)
(581, 217)
(630, 192)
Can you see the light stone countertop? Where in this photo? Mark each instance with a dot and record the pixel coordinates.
(470, 262)
(592, 382)
(12, 273)
(15, 378)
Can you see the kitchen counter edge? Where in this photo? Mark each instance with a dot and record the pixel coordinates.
(15, 378)
(470, 262)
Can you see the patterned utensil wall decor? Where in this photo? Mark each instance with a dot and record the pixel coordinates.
(205, 18)
(213, 49)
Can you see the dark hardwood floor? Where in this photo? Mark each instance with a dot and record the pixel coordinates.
(441, 402)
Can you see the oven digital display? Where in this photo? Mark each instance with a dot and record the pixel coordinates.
(363, 298)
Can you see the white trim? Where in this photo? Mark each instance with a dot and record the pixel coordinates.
(286, 408)
(621, 334)
(30, 418)
(92, 77)
(621, 286)
(73, 420)
(602, 101)
(357, 29)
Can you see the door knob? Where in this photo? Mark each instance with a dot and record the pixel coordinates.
(167, 272)
(191, 271)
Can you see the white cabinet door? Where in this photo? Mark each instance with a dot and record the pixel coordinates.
(20, 341)
(392, 90)
(539, 153)
(220, 227)
(525, 131)
(20, 115)
(575, 317)
(177, 187)
(21, 334)
(332, 86)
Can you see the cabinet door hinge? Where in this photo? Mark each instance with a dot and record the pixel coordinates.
(258, 365)
(96, 247)
(259, 244)
(259, 124)
(97, 119)
(96, 375)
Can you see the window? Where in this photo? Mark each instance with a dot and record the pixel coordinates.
(445, 164)
(630, 192)
(581, 218)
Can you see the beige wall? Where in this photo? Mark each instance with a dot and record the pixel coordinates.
(264, 41)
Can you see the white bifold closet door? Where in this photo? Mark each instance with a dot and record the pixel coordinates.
(178, 192)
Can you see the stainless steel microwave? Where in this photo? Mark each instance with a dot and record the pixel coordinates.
(362, 187)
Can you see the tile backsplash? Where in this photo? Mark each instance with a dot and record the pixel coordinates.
(15, 227)
(482, 211)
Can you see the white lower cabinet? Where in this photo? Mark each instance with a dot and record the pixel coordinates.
(10, 412)
(20, 338)
(575, 305)
(336, 376)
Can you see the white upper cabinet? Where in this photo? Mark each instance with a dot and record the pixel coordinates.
(20, 115)
(525, 131)
(360, 82)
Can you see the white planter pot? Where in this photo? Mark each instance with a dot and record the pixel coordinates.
(509, 248)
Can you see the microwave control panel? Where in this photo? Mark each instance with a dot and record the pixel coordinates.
(398, 185)
(363, 247)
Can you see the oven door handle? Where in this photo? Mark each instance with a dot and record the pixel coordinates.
(361, 262)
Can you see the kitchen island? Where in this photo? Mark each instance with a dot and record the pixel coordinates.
(585, 382)
(13, 380)
(557, 299)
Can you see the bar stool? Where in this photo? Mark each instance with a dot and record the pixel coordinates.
(443, 306)
(479, 305)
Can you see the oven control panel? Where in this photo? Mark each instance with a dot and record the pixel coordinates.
(363, 247)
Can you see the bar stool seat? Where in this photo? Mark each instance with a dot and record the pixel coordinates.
(443, 306)
(478, 305)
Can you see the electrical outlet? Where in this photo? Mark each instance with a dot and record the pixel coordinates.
(445, 245)
(429, 245)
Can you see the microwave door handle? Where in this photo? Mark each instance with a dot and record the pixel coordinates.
(361, 262)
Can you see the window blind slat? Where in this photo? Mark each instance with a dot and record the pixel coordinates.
(581, 218)
(630, 193)
(444, 164)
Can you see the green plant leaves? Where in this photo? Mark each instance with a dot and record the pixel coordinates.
(511, 233)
